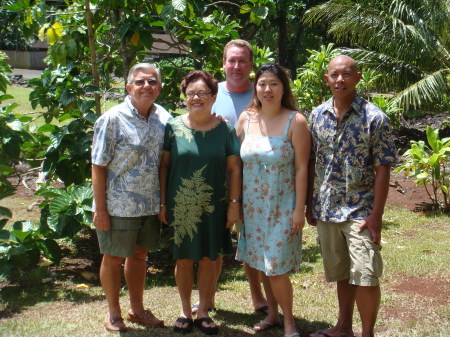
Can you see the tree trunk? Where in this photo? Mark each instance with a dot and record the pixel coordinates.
(91, 37)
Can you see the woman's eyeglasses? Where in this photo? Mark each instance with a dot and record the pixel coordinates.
(199, 94)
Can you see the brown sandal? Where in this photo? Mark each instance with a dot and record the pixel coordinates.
(145, 318)
(115, 323)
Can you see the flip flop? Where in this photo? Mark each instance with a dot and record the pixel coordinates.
(263, 309)
(183, 320)
(294, 334)
(269, 325)
(323, 333)
(198, 322)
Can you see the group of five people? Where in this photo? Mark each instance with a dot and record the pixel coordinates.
(258, 166)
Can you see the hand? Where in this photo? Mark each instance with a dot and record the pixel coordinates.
(233, 214)
(309, 216)
(220, 118)
(373, 223)
(162, 216)
(297, 221)
(102, 220)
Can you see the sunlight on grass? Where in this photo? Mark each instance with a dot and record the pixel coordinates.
(414, 245)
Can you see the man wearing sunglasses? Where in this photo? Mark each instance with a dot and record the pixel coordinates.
(126, 152)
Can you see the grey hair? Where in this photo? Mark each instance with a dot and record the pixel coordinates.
(142, 66)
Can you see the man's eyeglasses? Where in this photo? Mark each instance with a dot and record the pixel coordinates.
(150, 81)
(199, 94)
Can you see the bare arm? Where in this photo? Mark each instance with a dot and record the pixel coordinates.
(381, 189)
(301, 142)
(240, 127)
(309, 194)
(163, 172)
(234, 167)
(101, 219)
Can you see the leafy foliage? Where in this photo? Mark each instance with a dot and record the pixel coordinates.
(429, 165)
(406, 41)
(310, 88)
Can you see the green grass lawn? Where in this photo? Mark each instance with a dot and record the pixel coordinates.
(21, 97)
(415, 292)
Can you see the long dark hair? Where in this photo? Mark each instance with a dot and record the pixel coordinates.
(287, 101)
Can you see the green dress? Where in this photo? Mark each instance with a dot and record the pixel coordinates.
(197, 197)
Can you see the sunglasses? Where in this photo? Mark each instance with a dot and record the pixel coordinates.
(150, 81)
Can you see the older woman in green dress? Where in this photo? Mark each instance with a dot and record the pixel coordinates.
(197, 200)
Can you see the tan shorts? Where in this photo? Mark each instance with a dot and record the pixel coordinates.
(127, 233)
(348, 254)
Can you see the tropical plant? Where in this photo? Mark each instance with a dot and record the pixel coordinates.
(390, 107)
(429, 165)
(310, 88)
(406, 41)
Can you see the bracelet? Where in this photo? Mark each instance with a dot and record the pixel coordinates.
(235, 201)
(162, 205)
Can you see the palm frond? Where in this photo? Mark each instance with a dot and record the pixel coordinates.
(429, 88)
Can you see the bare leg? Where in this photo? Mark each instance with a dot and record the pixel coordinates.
(368, 302)
(206, 278)
(135, 273)
(184, 277)
(273, 315)
(282, 290)
(110, 277)
(346, 298)
(254, 281)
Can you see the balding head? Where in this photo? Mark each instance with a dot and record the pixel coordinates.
(343, 59)
(342, 77)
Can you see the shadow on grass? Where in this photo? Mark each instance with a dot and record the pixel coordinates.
(16, 298)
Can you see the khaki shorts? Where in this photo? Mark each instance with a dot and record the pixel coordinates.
(127, 233)
(348, 254)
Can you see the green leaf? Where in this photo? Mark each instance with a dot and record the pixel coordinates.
(3, 222)
(5, 212)
(51, 250)
(21, 235)
(47, 128)
(4, 235)
(67, 98)
(5, 97)
(432, 138)
(71, 48)
(179, 5)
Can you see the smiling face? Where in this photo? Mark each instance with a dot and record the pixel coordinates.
(342, 77)
(143, 93)
(237, 65)
(198, 104)
(269, 89)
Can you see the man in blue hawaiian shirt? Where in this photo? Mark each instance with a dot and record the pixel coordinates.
(349, 181)
(126, 152)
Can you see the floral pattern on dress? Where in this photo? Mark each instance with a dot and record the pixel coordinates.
(345, 156)
(265, 240)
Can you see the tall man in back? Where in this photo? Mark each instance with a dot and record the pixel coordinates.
(233, 97)
(353, 150)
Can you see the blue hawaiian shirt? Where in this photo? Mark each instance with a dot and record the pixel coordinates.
(130, 147)
(345, 155)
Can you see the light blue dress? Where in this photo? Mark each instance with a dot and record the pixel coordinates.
(265, 241)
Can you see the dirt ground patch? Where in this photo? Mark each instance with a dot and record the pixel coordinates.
(404, 193)
(420, 294)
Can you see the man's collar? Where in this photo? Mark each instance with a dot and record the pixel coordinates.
(356, 104)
